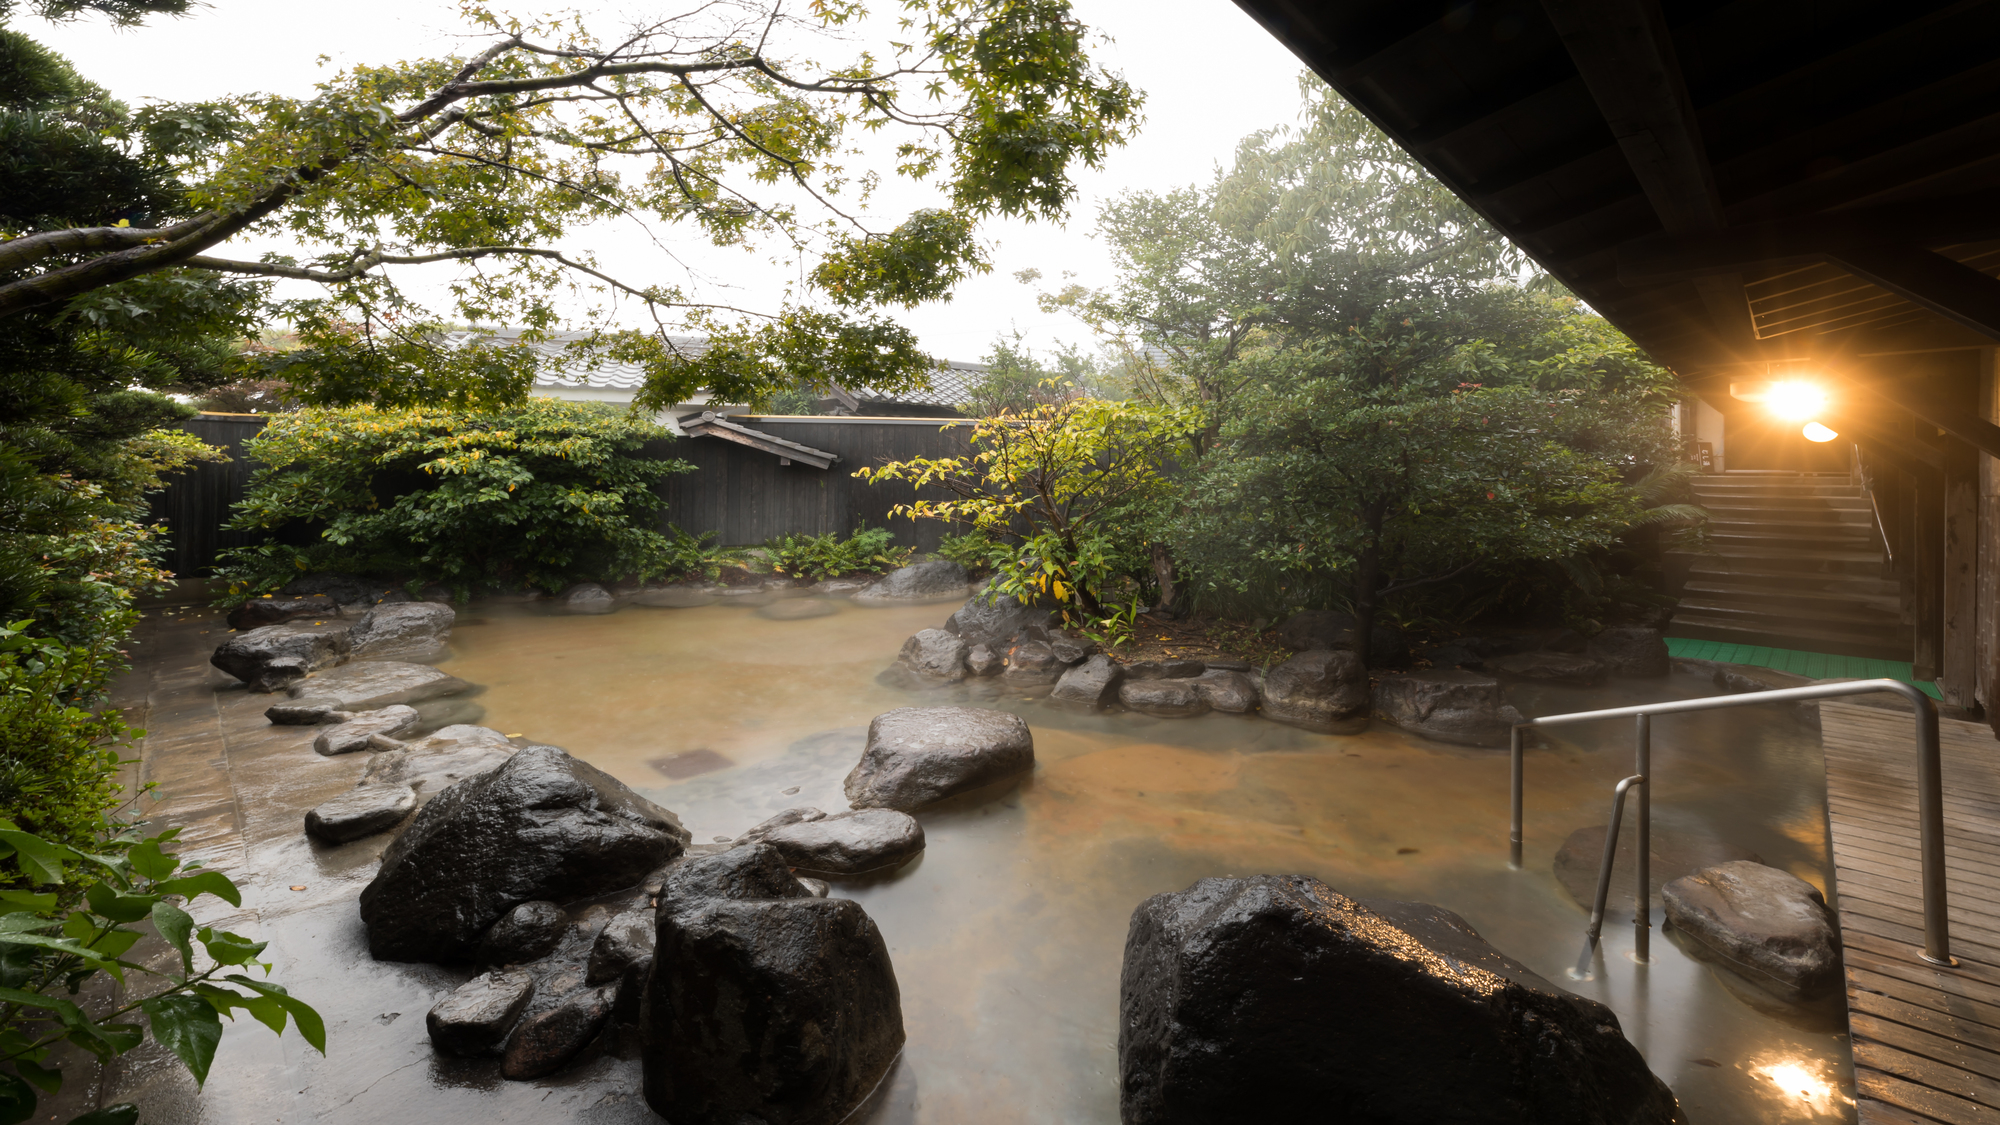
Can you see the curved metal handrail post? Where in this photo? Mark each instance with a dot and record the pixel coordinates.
(1930, 777)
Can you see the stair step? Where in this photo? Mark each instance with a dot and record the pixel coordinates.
(1727, 558)
(1830, 543)
(1860, 514)
(1783, 579)
(1795, 636)
(1702, 488)
(1711, 590)
(1780, 618)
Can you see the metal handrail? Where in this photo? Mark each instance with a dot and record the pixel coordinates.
(1640, 950)
(1930, 790)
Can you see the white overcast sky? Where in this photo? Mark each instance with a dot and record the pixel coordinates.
(1211, 75)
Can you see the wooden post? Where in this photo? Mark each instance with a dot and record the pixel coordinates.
(1986, 654)
(1960, 670)
(1927, 575)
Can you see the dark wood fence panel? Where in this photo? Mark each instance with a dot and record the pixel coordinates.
(746, 497)
(743, 495)
(195, 504)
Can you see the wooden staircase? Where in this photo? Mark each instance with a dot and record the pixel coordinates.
(1797, 564)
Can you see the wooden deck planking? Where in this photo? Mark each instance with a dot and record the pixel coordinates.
(1926, 1040)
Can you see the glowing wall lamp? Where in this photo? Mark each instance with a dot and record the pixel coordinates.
(1816, 432)
(1794, 400)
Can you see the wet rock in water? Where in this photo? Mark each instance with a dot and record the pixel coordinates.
(934, 654)
(931, 581)
(306, 712)
(1548, 667)
(983, 661)
(1032, 664)
(623, 940)
(1227, 690)
(841, 587)
(676, 597)
(277, 656)
(1069, 650)
(818, 888)
(798, 609)
(1769, 925)
(1674, 854)
(1093, 683)
(995, 624)
(809, 1023)
(442, 760)
(403, 629)
(585, 598)
(475, 1018)
(528, 932)
(1450, 705)
(363, 812)
(849, 843)
(546, 1041)
(352, 734)
(750, 869)
(1324, 690)
(542, 826)
(259, 612)
(1274, 998)
(1172, 669)
(1631, 651)
(917, 755)
(1167, 699)
(367, 685)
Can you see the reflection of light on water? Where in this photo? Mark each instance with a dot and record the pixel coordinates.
(1806, 1083)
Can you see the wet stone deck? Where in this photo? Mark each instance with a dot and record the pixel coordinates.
(1926, 1040)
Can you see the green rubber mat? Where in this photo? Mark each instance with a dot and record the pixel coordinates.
(1813, 665)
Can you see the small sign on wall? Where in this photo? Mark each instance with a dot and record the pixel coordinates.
(1704, 455)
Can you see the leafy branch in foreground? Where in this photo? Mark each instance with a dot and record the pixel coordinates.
(59, 934)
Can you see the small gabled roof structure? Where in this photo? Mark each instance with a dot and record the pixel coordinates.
(710, 424)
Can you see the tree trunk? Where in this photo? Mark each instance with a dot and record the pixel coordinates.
(1368, 579)
(1163, 573)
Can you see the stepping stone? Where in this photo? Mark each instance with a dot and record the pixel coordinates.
(361, 812)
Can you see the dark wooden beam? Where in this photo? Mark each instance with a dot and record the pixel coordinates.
(1626, 57)
(1921, 401)
(1951, 289)
(1656, 259)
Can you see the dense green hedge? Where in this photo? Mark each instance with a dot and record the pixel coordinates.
(541, 494)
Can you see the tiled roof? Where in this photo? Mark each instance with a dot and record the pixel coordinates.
(949, 387)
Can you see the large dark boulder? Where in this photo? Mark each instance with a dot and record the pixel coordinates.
(277, 656)
(1167, 699)
(1548, 667)
(1170, 669)
(1032, 664)
(849, 843)
(1324, 690)
(750, 869)
(934, 655)
(542, 826)
(1769, 925)
(1328, 629)
(917, 755)
(528, 932)
(443, 759)
(1631, 650)
(367, 685)
(1226, 689)
(1276, 998)
(1450, 706)
(1093, 683)
(932, 581)
(267, 610)
(585, 598)
(780, 1011)
(995, 624)
(409, 629)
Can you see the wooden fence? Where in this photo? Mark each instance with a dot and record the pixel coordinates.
(743, 495)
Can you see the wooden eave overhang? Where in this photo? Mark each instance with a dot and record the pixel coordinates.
(1733, 184)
